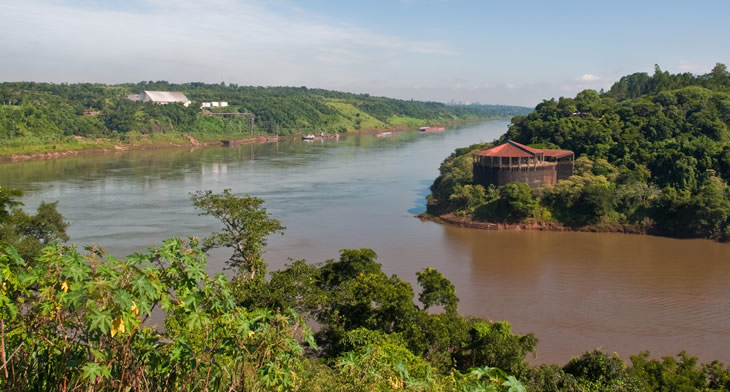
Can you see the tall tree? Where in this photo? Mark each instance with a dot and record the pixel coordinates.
(246, 226)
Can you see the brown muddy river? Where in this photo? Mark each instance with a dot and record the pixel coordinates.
(575, 291)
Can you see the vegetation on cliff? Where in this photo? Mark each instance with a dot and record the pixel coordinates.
(654, 153)
(51, 117)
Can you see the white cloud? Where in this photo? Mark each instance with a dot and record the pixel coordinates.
(589, 78)
(246, 42)
(693, 67)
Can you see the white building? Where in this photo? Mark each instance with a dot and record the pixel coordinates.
(214, 104)
(164, 97)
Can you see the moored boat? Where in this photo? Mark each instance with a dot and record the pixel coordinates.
(432, 129)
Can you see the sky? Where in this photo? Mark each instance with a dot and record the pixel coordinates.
(492, 52)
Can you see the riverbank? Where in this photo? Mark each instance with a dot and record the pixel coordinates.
(468, 222)
(81, 145)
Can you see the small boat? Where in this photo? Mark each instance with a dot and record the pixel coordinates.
(432, 129)
(384, 134)
(308, 137)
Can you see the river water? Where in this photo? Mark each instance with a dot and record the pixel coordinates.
(575, 291)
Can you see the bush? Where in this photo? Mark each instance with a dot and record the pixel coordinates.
(515, 203)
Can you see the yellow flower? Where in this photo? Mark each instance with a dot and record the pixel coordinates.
(250, 334)
(135, 309)
(117, 326)
(65, 285)
(395, 383)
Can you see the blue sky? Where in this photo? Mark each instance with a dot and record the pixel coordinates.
(508, 52)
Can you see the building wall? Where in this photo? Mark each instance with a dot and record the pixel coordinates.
(564, 170)
(534, 177)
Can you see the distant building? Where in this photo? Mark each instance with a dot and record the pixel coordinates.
(214, 104)
(515, 162)
(164, 97)
(133, 97)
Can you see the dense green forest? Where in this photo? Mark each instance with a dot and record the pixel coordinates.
(654, 156)
(72, 321)
(47, 117)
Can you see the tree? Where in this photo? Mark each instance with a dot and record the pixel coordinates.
(8, 201)
(467, 198)
(28, 234)
(600, 372)
(246, 226)
(437, 290)
(670, 374)
(82, 326)
(516, 201)
(494, 344)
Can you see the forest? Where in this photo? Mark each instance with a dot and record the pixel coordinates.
(73, 320)
(653, 156)
(42, 117)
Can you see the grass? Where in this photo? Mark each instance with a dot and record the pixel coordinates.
(349, 115)
(347, 118)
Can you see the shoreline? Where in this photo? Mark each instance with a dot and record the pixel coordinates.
(467, 222)
(187, 141)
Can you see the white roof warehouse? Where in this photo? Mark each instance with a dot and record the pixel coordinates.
(164, 97)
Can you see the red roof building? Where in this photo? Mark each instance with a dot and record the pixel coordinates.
(513, 162)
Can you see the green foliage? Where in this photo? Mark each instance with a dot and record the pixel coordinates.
(73, 321)
(580, 200)
(82, 321)
(596, 367)
(467, 198)
(246, 227)
(8, 202)
(83, 325)
(437, 290)
(647, 133)
(353, 293)
(377, 359)
(28, 234)
(455, 170)
(679, 213)
(515, 202)
(43, 116)
(682, 374)
(552, 378)
(494, 344)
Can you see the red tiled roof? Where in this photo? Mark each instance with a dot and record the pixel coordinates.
(517, 150)
(557, 154)
(509, 149)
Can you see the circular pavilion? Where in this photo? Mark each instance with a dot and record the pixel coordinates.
(515, 162)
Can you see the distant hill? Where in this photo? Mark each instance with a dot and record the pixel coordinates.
(34, 115)
(497, 110)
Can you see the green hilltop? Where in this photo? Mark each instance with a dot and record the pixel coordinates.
(654, 156)
(43, 117)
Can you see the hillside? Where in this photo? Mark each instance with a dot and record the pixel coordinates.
(37, 117)
(653, 151)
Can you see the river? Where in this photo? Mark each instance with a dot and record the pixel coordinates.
(575, 291)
